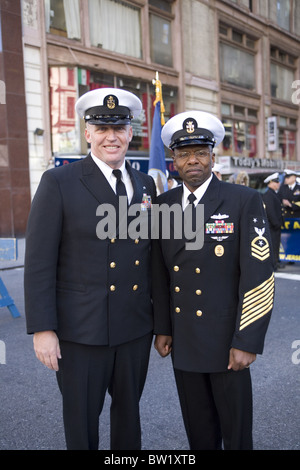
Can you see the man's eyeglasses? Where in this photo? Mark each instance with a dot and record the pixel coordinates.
(199, 154)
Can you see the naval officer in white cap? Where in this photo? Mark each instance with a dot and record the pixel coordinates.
(217, 170)
(88, 300)
(273, 208)
(212, 305)
(290, 194)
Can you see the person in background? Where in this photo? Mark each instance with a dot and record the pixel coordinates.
(289, 194)
(88, 296)
(242, 178)
(172, 182)
(213, 337)
(217, 170)
(274, 213)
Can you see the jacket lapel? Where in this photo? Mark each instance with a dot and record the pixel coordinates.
(96, 183)
(137, 186)
(211, 198)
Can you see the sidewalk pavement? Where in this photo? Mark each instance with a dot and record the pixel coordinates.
(30, 402)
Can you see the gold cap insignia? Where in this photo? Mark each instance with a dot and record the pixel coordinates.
(111, 101)
(190, 126)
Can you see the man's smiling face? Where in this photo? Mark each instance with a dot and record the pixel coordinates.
(109, 143)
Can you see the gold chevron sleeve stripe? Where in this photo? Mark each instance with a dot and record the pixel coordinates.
(260, 287)
(261, 258)
(256, 318)
(257, 302)
(257, 297)
(258, 310)
(260, 251)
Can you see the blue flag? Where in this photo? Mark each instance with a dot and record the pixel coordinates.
(157, 161)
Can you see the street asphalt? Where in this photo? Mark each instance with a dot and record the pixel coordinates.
(30, 403)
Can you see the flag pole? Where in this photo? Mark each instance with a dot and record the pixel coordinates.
(157, 162)
(158, 97)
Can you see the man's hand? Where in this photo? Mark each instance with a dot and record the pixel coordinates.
(163, 344)
(47, 350)
(239, 360)
(286, 203)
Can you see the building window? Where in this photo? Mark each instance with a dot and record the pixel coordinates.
(281, 80)
(115, 25)
(160, 37)
(287, 132)
(237, 58)
(282, 74)
(63, 18)
(287, 144)
(296, 19)
(240, 130)
(283, 12)
(160, 24)
(237, 67)
(64, 122)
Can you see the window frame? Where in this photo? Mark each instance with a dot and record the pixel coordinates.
(283, 59)
(226, 37)
(165, 15)
(135, 4)
(62, 38)
(246, 118)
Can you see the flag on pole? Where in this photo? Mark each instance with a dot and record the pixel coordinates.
(157, 161)
(83, 77)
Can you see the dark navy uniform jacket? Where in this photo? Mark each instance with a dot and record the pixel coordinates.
(88, 290)
(219, 296)
(273, 209)
(293, 195)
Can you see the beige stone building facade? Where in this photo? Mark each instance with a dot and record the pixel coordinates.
(238, 59)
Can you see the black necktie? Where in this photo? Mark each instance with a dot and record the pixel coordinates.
(191, 199)
(120, 191)
(120, 186)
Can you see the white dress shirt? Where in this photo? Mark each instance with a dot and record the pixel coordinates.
(112, 180)
(199, 193)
